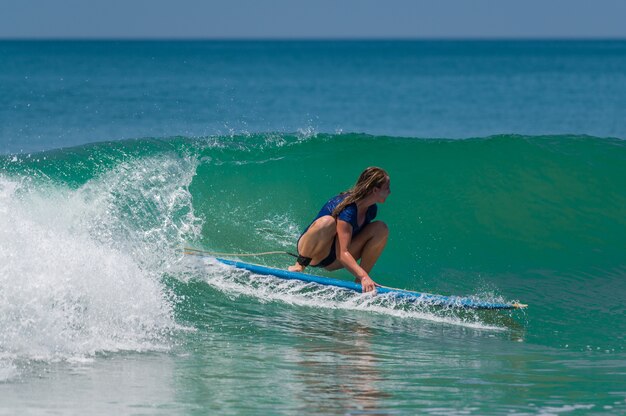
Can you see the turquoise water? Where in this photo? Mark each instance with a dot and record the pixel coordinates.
(144, 148)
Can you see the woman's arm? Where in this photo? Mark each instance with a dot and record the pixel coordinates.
(344, 237)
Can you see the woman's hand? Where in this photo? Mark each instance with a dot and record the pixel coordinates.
(344, 237)
(367, 284)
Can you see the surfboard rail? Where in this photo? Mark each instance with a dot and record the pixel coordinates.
(408, 295)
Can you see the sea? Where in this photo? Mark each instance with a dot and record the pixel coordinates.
(507, 161)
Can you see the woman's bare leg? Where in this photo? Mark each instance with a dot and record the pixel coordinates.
(368, 245)
(316, 242)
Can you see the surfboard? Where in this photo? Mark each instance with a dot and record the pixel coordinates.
(408, 295)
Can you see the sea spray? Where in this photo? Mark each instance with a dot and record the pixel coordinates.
(81, 268)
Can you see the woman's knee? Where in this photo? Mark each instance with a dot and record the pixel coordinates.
(379, 228)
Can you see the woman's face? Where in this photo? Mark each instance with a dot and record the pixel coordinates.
(383, 192)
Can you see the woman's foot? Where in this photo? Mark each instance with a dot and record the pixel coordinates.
(296, 268)
(300, 265)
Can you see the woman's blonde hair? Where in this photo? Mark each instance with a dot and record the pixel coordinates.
(370, 178)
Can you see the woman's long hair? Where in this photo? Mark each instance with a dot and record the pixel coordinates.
(370, 178)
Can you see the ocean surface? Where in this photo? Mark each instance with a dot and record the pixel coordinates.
(508, 174)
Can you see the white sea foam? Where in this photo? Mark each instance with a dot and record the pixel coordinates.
(278, 230)
(80, 269)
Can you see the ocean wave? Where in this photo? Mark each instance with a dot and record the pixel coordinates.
(88, 233)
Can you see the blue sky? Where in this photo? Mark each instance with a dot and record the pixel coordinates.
(334, 19)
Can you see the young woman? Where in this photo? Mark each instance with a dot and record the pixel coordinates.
(343, 231)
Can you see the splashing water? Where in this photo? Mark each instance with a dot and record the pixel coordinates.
(80, 268)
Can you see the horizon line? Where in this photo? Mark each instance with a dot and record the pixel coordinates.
(313, 39)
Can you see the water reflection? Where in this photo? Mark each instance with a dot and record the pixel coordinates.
(339, 367)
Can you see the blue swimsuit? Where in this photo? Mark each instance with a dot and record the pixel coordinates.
(349, 215)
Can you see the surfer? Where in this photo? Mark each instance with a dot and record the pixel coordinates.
(343, 231)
